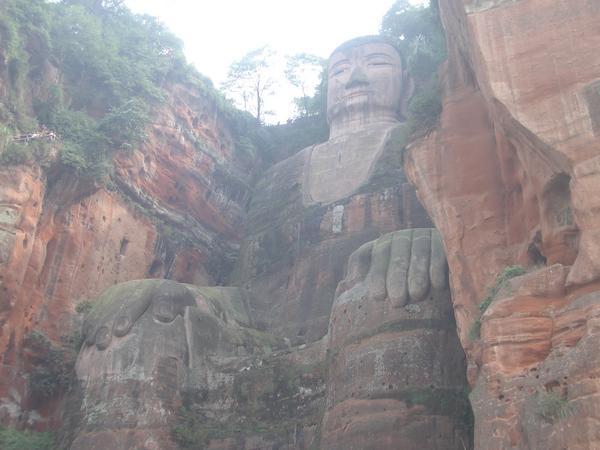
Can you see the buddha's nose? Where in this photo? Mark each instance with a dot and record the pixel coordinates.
(357, 78)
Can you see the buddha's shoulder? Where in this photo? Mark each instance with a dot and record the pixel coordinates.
(288, 170)
(397, 136)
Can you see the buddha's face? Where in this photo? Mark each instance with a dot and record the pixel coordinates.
(365, 85)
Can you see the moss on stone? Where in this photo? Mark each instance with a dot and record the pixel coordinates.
(271, 399)
(52, 367)
(13, 439)
(553, 407)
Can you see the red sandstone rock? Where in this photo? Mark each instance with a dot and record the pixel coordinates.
(294, 254)
(75, 253)
(65, 246)
(510, 177)
(187, 165)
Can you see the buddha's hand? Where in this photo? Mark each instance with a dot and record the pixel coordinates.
(401, 267)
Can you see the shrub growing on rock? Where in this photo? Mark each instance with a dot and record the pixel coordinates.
(553, 407)
(500, 283)
(12, 439)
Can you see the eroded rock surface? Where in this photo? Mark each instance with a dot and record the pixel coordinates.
(166, 364)
(394, 377)
(507, 178)
(177, 211)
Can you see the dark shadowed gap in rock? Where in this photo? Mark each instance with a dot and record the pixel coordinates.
(123, 246)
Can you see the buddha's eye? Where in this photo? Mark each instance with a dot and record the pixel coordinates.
(379, 60)
(340, 69)
(379, 64)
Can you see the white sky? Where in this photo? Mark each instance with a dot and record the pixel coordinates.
(217, 32)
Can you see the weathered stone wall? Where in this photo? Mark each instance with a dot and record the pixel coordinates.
(510, 177)
(175, 209)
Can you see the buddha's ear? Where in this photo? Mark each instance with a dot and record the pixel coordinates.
(408, 89)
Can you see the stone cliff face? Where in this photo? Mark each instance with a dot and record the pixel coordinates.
(510, 177)
(176, 210)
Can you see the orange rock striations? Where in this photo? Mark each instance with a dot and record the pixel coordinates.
(510, 176)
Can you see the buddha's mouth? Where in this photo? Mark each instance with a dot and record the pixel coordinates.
(356, 93)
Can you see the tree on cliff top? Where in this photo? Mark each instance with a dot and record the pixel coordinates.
(417, 31)
(303, 70)
(250, 81)
(98, 6)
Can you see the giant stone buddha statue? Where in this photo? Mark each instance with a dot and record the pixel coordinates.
(312, 210)
(330, 206)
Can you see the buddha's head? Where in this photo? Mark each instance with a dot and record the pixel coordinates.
(365, 84)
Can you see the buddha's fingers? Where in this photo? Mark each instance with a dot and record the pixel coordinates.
(438, 267)
(397, 273)
(170, 300)
(358, 267)
(418, 273)
(380, 257)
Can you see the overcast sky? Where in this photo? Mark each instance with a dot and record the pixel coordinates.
(215, 33)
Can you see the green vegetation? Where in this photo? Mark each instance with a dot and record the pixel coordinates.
(97, 69)
(300, 68)
(425, 106)
(52, 366)
(553, 407)
(310, 127)
(249, 81)
(12, 439)
(475, 330)
(91, 71)
(84, 307)
(16, 153)
(287, 139)
(417, 31)
(501, 282)
(13, 153)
